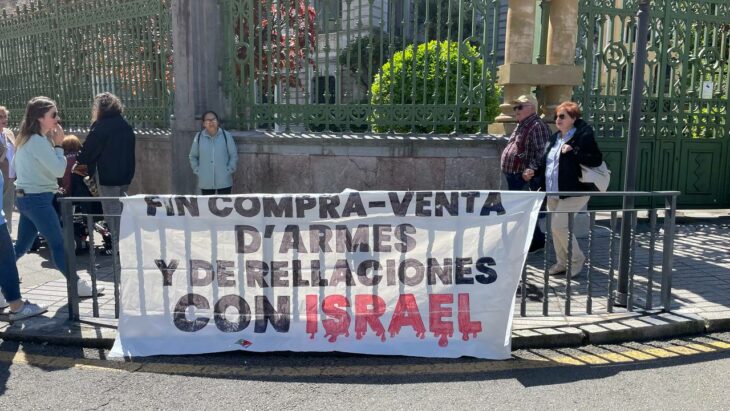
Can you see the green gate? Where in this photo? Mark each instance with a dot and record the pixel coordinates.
(685, 130)
(361, 66)
(72, 50)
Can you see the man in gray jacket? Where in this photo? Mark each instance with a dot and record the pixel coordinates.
(213, 157)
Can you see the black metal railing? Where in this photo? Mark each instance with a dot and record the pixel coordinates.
(540, 293)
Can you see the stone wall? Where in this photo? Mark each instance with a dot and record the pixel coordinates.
(304, 163)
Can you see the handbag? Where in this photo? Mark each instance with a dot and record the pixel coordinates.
(599, 176)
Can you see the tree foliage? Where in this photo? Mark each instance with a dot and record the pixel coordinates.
(364, 55)
(284, 36)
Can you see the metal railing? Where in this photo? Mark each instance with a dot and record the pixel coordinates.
(539, 291)
(602, 267)
(70, 246)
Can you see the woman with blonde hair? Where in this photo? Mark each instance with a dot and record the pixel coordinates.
(39, 163)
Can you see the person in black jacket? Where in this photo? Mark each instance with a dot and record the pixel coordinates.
(108, 152)
(573, 145)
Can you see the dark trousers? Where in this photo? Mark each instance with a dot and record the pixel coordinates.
(210, 192)
(515, 182)
(9, 279)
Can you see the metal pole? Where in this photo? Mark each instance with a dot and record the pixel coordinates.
(69, 247)
(668, 251)
(637, 87)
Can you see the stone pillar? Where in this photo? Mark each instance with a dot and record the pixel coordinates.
(562, 38)
(197, 58)
(519, 44)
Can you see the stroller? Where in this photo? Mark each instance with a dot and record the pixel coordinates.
(81, 231)
(79, 188)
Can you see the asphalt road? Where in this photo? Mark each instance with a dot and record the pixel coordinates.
(688, 373)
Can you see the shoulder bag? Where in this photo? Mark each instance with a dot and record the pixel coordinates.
(599, 176)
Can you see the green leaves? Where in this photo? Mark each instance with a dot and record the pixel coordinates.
(447, 77)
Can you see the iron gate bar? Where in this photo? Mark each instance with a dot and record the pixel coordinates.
(71, 51)
(281, 83)
(623, 297)
(685, 138)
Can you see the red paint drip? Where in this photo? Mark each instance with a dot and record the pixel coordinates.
(312, 311)
(442, 330)
(466, 326)
(365, 316)
(406, 314)
(339, 323)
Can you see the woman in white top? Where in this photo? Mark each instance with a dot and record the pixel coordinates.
(39, 163)
(7, 152)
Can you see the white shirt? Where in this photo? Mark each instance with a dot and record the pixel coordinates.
(9, 154)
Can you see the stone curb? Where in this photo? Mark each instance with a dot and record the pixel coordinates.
(70, 341)
(649, 327)
(658, 326)
(61, 332)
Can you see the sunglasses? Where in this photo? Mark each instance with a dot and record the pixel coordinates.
(54, 114)
(210, 120)
(562, 116)
(518, 108)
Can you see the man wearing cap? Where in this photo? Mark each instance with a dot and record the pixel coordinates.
(524, 150)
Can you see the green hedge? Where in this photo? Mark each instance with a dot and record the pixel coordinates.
(436, 82)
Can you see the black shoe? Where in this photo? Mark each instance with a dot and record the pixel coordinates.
(536, 246)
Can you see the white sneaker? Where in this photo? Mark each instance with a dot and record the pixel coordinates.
(556, 269)
(576, 269)
(84, 288)
(28, 310)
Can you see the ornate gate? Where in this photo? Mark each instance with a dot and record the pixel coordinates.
(685, 130)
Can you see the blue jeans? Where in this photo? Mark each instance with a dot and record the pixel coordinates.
(515, 182)
(9, 280)
(38, 215)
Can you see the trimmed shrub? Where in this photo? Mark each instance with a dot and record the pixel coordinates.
(433, 67)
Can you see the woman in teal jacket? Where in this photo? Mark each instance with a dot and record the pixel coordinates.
(213, 157)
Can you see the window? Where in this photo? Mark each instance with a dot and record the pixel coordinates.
(323, 90)
(329, 13)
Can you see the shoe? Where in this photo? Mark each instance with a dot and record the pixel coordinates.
(576, 269)
(556, 269)
(84, 288)
(28, 310)
(536, 246)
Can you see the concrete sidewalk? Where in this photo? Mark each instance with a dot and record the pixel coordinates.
(700, 297)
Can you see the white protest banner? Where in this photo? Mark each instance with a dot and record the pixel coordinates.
(429, 273)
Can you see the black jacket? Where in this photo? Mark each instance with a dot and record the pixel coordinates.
(585, 151)
(109, 148)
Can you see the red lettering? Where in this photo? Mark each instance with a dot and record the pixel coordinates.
(442, 330)
(341, 323)
(312, 314)
(466, 326)
(406, 313)
(364, 316)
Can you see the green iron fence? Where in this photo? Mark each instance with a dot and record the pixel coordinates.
(684, 137)
(406, 66)
(71, 50)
